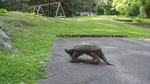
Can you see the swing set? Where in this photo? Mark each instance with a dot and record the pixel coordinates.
(53, 9)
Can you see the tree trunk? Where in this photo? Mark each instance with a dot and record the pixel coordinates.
(148, 12)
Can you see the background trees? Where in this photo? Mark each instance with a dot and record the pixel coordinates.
(71, 7)
(139, 8)
(133, 7)
(105, 7)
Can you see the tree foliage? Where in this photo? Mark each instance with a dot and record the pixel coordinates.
(121, 5)
(126, 7)
(132, 7)
(71, 7)
(105, 7)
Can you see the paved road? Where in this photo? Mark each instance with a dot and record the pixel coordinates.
(131, 58)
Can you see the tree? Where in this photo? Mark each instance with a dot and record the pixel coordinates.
(144, 5)
(121, 5)
(88, 5)
(105, 7)
(132, 7)
(72, 6)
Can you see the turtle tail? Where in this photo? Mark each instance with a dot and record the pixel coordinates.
(101, 55)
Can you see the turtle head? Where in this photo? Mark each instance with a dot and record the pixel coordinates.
(69, 51)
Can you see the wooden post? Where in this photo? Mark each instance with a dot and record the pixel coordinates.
(62, 10)
(34, 9)
(42, 11)
(38, 11)
(60, 7)
(57, 10)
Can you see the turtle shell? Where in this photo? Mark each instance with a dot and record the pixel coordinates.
(86, 47)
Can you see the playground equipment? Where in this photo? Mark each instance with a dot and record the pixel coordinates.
(53, 9)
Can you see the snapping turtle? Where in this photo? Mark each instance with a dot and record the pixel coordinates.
(90, 49)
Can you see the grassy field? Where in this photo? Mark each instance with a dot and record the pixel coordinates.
(34, 36)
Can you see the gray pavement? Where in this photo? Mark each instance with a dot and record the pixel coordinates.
(131, 58)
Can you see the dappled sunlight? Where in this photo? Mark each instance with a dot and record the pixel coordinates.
(97, 18)
(108, 30)
(110, 25)
(106, 24)
(136, 33)
(46, 19)
(94, 18)
(80, 19)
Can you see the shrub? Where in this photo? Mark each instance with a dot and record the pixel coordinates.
(133, 9)
(137, 19)
(99, 10)
(3, 11)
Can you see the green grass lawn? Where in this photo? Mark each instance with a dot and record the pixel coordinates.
(27, 66)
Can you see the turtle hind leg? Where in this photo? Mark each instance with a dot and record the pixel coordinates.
(101, 55)
(95, 57)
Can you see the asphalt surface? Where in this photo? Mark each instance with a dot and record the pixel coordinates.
(131, 58)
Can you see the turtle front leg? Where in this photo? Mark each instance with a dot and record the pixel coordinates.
(75, 55)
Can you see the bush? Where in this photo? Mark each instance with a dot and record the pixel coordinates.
(99, 10)
(133, 9)
(3, 11)
(137, 19)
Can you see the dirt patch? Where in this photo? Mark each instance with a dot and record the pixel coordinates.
(144, 25)
(21, 24)
(123, 19)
